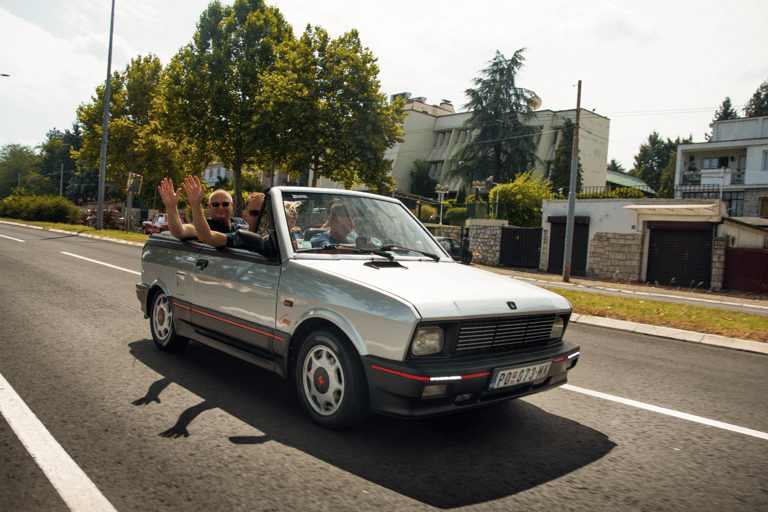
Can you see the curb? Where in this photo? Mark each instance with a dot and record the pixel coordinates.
(670, 333)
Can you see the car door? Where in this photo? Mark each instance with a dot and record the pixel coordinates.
(235, 294)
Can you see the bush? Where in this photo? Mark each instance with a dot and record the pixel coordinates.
(428, 213)
(619, 193)
(455, 216)
(39, 208)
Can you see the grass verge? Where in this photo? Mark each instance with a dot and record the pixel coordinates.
(79, 228)
(678, 316)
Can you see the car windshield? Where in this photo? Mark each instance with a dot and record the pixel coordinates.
(324, 222)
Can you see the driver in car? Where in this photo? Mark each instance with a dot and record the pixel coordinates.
(342, 228)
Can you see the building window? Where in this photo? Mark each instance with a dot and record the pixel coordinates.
(709, 163)
(765, 160)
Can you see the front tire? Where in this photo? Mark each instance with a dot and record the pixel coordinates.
(161, 325)
(331, 381)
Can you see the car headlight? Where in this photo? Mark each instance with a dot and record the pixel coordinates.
(558, 328)
(427, 341)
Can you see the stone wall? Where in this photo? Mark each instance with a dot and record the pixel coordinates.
(485, 240)
(718, 263)
(616, 256)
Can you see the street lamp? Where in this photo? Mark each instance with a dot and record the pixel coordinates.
(441, 191)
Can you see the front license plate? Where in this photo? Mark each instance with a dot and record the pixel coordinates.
(505, 377)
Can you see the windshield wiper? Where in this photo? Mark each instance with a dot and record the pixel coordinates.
(359, 250)
(398, 248)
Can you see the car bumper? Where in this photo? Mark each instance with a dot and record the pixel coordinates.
(403, 388)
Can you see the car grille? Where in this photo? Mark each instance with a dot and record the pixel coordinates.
(490, 335)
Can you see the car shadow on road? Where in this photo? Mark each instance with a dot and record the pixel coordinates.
(446, 462)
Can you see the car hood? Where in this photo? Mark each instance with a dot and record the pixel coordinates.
(446, 289)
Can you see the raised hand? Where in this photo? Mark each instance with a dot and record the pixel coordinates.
(167, 194)
(194, 189)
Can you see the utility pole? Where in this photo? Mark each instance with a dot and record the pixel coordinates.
(572, 193)
(104, 130)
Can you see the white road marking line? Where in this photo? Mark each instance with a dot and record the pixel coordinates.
(670, 412)
(102, 263)
(11, 238)
(72, 484)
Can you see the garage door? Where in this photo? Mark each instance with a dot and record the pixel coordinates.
(557, 245)
(680, 254)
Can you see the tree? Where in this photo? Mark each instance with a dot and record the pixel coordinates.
(502, 144)
(323, 111)
(725, 112)
(757, 105)
(560, 175)
(615, 166)
(653, 157)
(520, 201)
(137, 140)
(84, 186)
(56, 155)
(667, 182)
(421, 183)
(17, 163)
(215, 83)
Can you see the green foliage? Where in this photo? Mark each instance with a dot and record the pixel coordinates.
(55, 154)
(654, 157)
(455, 216)
(616, 166)
(136, 141)
(461, 196)
(16, 163)
(725, 112)
(502, 144)
(619, 193)
(560, 175)
(39, 208)
(324, 111)
(421, 184)
(522, 199)
(757, 105)
(428, 213)
(214, 91)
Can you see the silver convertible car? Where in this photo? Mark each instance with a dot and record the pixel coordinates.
(349, 295)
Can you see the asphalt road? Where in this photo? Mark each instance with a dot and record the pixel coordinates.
(644, 424)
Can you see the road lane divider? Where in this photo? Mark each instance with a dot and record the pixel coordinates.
(77, 490)
(101, 263)
(11, 238)
(669, 412)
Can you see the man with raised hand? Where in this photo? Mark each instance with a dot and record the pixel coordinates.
(195, 193)
(220, 204)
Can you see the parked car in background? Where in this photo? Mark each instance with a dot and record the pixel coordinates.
(84, 213)
(371, 316)
(451, 245)
(158, 223)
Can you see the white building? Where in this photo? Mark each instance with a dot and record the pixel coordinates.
(435, 134)
(733, 166)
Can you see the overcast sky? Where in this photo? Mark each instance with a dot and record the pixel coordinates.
(650, 65)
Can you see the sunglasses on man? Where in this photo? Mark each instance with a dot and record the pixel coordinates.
(224, 204)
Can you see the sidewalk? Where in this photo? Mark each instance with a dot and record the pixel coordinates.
(539, 278)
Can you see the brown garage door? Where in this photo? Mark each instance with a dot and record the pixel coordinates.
(557, 245)
(680, 254)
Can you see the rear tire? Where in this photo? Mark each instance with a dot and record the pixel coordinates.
(161, 325)
(331, 381)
